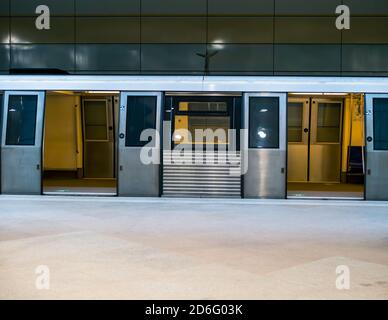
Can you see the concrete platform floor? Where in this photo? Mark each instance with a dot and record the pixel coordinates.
(114, 248)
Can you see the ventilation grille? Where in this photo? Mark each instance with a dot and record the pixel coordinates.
(202, 174)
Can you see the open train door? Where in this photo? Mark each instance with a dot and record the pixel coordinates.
(139, 112)
(21, 142)
(376, 183)
(265, 118)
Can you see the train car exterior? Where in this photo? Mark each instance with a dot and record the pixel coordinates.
(196, 98)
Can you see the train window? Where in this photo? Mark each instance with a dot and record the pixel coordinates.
(329, 122)
(264, 122)
(380, 120)
(141, 115)
(21, 120)
(295, 121)
(95, 120)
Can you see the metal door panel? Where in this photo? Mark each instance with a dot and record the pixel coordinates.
(325, 163)
(265, 177)
(325, 156)
(266, 172)
(134, 177)
(376, 179)
(297, 163)
(21, 164)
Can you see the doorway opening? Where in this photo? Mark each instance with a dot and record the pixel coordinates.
(203, 156)
(326, 146)
(79, 143)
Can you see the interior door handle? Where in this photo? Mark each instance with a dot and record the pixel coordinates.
(38, 167)
(305, 130)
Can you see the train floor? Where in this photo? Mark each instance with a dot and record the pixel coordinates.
(325, 190)
(73, 186)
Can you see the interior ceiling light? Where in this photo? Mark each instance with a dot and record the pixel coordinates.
(103, 92)
(319, 93)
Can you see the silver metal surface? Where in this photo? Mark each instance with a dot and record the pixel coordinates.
(325, 157)
(298, 152)
(134, 177)
(21, 165)
(265, 177)
(99, 153)
(266, 174)
(196, 83)
(376, 179)
(185, 177)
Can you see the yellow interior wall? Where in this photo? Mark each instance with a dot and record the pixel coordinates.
(353, 125)
(62, 138)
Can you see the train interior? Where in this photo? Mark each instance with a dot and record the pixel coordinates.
(326, 146)
(79, 149)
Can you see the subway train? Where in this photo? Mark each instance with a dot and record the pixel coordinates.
(274, 99)
(297, 137)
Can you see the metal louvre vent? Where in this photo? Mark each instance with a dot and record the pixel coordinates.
(202, 174)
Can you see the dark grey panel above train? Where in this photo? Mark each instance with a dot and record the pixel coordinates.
(4, 30)
(43, 56)
(306, 7)
(364, 58)
(108, 30)
(174, 7)
(23, 30)
(107, 8)
(28, 7)
(241, 7)
(306, 30)
(367, 7)
(240, 29)
(4, 8)
(4, 57)
(173, 30)
(245, 57)
(367, 30)
(108, 57)
(172, 57)
(312, 58)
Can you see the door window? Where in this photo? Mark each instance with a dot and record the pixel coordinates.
(380, 121)
(21, 120)
(329, 122)
(95, 118)
(264, 122)
(295, 121)
(141, 115)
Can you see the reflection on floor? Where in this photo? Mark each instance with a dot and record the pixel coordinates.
(103, 187)
(325, 190)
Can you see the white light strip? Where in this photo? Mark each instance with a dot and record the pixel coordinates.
(103, 92)
(335, 85)
(319, 93)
